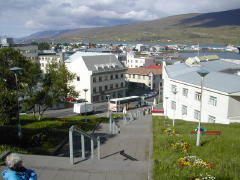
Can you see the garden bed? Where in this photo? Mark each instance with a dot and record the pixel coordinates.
(177, 157)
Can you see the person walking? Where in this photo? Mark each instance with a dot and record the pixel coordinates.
(16, 171)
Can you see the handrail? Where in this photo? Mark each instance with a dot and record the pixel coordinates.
(74, 128)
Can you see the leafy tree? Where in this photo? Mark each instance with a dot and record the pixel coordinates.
(43, 46)
(27, 78)
(54, 89)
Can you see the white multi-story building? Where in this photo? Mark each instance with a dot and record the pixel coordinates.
(101, 74)
(135, 62)
(221, 92)
(49, 57)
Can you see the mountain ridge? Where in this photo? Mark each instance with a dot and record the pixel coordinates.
(216, 27)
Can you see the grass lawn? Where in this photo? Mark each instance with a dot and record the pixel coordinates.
(41, 137)
(221, 152)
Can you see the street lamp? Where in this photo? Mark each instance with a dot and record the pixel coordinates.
(85, 91)
(165, 110)
(108, 98)
(16, 70)
(202, 73)
(175, 93)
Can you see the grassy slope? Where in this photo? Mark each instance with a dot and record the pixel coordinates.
(54, 130)
(162, 30)
(222, 151)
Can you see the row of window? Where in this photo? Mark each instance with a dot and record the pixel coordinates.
(135, 76)
(108, 87)
(106, 77)
(212, 100)
(197, 115)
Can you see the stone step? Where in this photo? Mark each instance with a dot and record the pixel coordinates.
(59, 168)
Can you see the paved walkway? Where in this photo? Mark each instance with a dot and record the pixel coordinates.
(123, 157)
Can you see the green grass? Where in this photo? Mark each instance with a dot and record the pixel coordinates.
(52, 130)
(221, 151)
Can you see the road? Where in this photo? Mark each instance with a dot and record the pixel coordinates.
(100, 109)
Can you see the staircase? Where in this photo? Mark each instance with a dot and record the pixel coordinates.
(124, 156)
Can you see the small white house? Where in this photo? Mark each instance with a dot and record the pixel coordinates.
(221, 92)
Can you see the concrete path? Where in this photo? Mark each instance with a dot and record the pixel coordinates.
(123, 157)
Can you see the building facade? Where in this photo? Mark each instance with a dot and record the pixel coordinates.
(134, 62)
(146, 78)
(101, 74)
(221, 92)
(46, 58)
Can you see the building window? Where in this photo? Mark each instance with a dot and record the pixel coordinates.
(133, 76)
(100, 79)
(116, 85)
(136, 61)
(78, 78)
(185, 92)
(102, 98)
(111, 77)
(106, 87)
(100, 88)
(116, 76)
(173, 105)
(121, 75)
(94, 79)
(211, 119)
(196, 114)
(174, 88)
(121, 84)
(105, 78)
(94, 89)
(111, 86)
(212, 101)
(184, 110)
(198, 96)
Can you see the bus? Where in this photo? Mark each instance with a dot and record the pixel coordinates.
(130, 102)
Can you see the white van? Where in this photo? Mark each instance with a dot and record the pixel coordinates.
(80, 108)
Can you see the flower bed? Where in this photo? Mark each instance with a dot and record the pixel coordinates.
(181, 146)
(194, 161)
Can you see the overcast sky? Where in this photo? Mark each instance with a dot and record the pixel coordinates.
(22, 17)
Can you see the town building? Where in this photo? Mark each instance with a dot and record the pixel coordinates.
(145, 78)
(47, 57)
(133, 61)
(29, 51)
(221, 92)
(101, 74)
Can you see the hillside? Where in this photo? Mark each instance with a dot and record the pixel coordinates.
(217, 27)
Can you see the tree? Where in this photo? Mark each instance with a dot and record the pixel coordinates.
(43, 46)
(54, 89)
(27, 79)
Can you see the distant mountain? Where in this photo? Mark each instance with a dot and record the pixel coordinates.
(217, 27)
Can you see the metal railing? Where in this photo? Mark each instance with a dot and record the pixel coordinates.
(83, 134)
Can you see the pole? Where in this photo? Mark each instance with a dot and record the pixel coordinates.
(18, 119)
(92, 147)
(83, 146)
(71, 145)
(199, 123)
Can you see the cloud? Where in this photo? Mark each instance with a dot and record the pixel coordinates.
(66, 14)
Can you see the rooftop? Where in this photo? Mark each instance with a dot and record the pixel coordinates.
(144, 71)
(217, 78)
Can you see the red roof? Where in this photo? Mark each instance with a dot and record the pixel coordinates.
(154, 67)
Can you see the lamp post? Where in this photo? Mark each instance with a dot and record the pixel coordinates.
(85, 91)
(202, 73)
(108, 98)
(165, 110)
(16, 70)
(175, 93)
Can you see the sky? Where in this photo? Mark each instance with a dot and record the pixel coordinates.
(19, 18)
